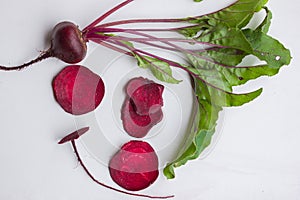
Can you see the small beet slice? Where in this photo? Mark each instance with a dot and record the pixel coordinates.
(135, 83)
(135, 166)
(138, 125)
(78, 90)
(146, 95)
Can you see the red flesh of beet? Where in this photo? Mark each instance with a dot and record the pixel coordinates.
(138, 125)
(78, 90)
(135, 166)
(145, 96)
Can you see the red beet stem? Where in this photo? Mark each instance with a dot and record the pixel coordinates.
(42, 56)
(174, 20)
(74, 135)
(134, 21)
(170, 62)
(107, 186)
(105, 44)
(105, 15)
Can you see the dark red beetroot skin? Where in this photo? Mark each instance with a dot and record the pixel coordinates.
(67, 43)
(138, 125)
(146, 95)
(135, 166)
(78, 90)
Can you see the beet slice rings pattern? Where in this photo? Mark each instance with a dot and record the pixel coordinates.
(135, 166)
(142, 106)
(78, 90)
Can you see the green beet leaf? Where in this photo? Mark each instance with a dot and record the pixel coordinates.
(237, 14)
(223, 36)
(200, 134)
(267, 48)
(160, 69)
(265, 25)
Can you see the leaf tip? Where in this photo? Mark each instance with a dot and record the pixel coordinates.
(169, 171)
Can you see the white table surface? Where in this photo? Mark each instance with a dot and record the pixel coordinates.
(256, 157)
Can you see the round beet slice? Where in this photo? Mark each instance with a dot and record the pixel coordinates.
(138, 125)
(145, 94)
(135, 166)
(78, 90)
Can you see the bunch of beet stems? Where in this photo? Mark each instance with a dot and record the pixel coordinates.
(104, 34)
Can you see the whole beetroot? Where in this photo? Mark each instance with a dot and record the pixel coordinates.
(67, 43)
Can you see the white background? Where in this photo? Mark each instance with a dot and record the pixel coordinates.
(256, 157)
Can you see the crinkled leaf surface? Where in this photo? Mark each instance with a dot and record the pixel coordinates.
(161, 70)
(216, 71)
(267, 48)
(224, 36)
(237, 14)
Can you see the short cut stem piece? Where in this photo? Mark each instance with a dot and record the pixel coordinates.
(74, 135)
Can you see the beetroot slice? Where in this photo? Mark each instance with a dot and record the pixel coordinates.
(138, 125)
(135, 83)
(77, 89)
(146, 95)
(135, 166)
